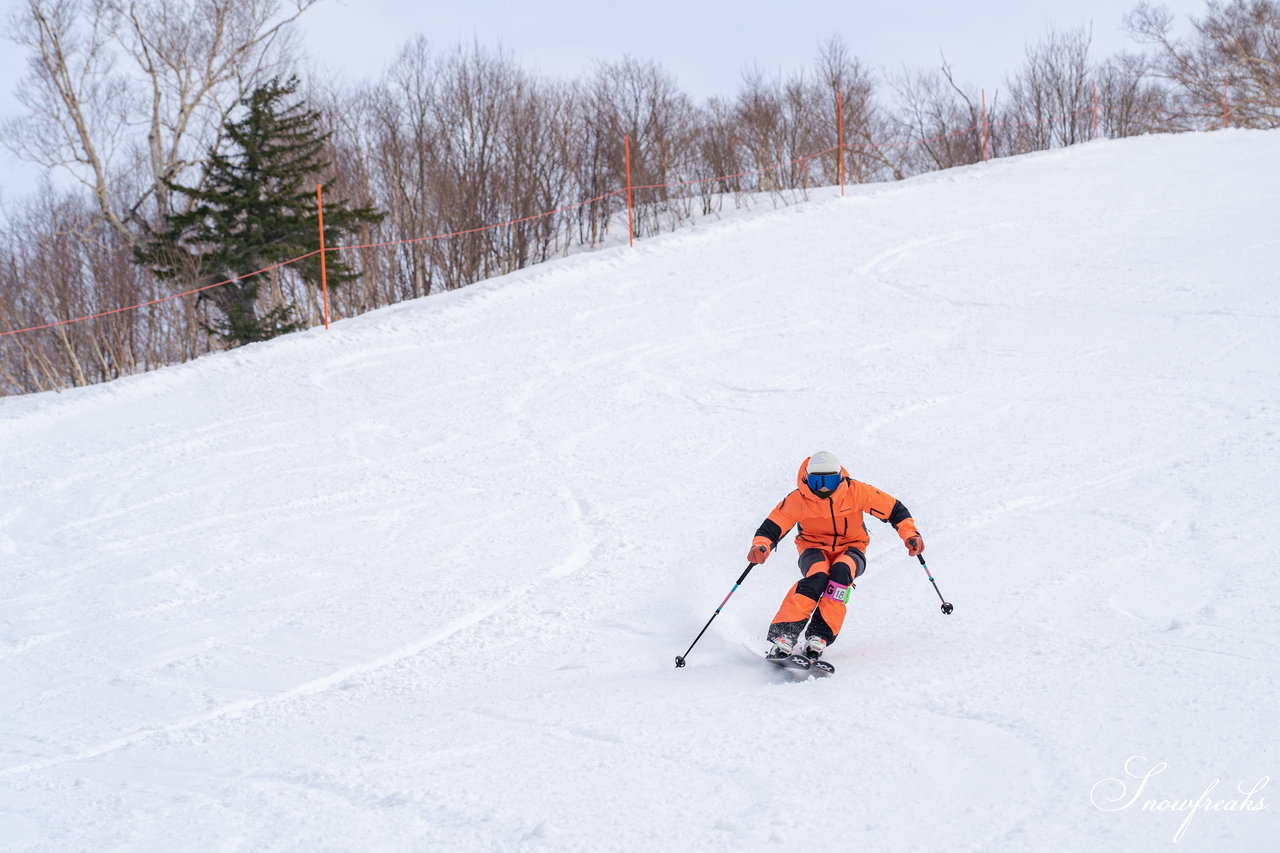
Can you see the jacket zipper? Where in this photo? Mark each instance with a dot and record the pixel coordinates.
(835, 534)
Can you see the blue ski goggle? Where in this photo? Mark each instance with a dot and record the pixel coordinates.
(823, 482)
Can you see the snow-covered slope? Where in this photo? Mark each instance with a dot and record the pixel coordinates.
(417, 583)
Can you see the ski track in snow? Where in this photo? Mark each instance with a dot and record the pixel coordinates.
(576, 561)
(416, 583)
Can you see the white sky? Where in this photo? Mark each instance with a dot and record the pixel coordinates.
(705, 45)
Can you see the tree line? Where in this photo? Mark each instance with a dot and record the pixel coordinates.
(149, 108)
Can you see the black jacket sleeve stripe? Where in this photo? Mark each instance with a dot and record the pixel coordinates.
(900, 514)
(770, 530)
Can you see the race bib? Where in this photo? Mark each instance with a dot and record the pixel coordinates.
(837, 592)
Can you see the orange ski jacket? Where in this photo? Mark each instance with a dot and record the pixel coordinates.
(833, 524)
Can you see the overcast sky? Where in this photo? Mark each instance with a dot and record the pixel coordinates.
(705, 45)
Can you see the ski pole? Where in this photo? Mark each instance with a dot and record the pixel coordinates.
(946, 606)
(741, 578)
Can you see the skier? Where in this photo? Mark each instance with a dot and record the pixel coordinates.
(826, 508)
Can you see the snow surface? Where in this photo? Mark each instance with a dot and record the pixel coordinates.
(417, 583)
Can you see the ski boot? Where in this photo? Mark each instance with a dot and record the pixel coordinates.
(813, 649)
(783, 653)
(781, 649)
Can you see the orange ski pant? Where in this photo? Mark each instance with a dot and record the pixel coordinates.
(822, 593)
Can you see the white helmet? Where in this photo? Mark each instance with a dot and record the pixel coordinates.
(823, 462)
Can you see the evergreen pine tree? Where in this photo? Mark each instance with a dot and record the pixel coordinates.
(256, 206)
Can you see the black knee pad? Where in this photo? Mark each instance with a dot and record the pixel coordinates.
(814, 585)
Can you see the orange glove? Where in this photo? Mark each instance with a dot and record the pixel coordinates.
(758, 554)
(910, 536)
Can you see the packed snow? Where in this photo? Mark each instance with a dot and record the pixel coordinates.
(418, 582)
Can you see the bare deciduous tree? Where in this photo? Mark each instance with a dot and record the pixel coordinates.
(139, 88)
(59, 261)
(943, 120)
(636, 99)
(1130, 100)
(1236, 43)
(1051, 97)
(872, 139)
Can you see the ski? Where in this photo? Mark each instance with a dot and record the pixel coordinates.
(790, 662)
(819, 668)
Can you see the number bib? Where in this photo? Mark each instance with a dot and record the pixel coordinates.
(837, 592)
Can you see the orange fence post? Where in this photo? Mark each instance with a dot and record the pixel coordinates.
(1095, 110)
(630, 228)
(840, 135)
(984, 125)
(324, 275)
